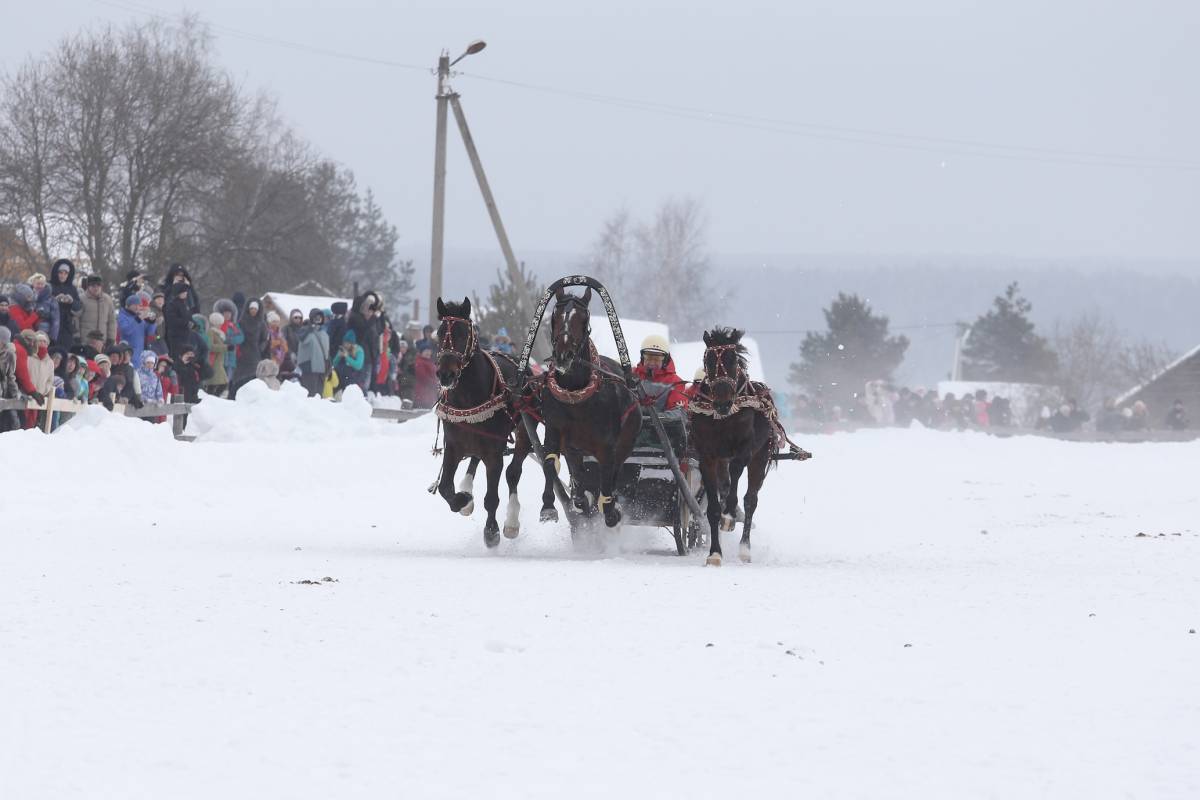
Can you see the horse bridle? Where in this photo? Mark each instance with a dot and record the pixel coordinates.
(582, 348)
(446, 345)
(722, 373)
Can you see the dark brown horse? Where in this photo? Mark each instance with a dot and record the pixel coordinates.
(587, 408)
(477, 409)
(733, 431)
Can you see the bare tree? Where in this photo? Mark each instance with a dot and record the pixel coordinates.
(1096, 361)
(613, 256)
(30, 162)
(1088, 349)
(673, 280)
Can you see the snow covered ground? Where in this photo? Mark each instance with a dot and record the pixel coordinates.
(928, 615)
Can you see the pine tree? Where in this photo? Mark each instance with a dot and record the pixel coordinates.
(836, 365)
(1003, 346)
(504, 308)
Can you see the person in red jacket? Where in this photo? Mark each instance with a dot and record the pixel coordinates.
(425, 384)
(657, 373)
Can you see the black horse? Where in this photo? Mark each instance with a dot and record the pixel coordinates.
(478, 409)
(733, 430)
(586, 406)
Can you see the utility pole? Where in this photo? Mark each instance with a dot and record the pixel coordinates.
(439, 185)
(446, 95)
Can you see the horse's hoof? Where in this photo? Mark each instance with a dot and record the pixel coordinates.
(491, 534)
(462, 503)
(713, 560)
(727, 522)
(549, 514)
(744, 553)
(511, 531)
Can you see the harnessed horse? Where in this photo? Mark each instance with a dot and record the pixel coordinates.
(734, 429)
(478, 410)
(586, 405)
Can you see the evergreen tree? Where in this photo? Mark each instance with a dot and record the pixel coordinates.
(836, 365)
(504, 308)
(1003, 346)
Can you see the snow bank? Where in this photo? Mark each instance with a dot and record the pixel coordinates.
(261, 414)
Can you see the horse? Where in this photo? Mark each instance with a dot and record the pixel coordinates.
(477, 407)
(586, 405)
(734, 429)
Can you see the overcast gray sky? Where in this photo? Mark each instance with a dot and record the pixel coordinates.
(1070, 76)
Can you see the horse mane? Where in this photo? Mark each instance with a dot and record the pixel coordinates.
(724, 336)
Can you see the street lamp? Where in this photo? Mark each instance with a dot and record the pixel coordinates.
(473, 48)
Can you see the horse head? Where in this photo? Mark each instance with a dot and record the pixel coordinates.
(724, 366)
(570, 329)
(456, 341)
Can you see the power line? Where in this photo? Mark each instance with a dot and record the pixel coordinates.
(944, 146)
(790, 126)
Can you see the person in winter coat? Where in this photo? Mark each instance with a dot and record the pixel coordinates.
(100, 376)
(348, 363)
(9, 420)
(133, 325)
(62, 287)
(277, 346)
(167, 379)
(219, 379)
(656, 371)
(97, 312)
(291, 331)
(148, 378)
(425, 382)
(501, 343)
(254, 347)
(188, 372)
(313, 353)
(267, 371)
(45, 305)
(156, 314)
(135, 281)
(122, 385)
(40, 369)
(22, 310)
(6, 320)
(1177, 418)
(233, 333)
(178, 318)
(361, 322)
(176, 275)
(336, 325)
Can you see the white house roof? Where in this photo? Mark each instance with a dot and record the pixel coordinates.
(1132, 393)
(305, 302)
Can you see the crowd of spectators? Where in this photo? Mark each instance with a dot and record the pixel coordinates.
(144, 343)
(884, 405)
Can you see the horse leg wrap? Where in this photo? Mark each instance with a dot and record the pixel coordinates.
(553, 459)
(604, 500)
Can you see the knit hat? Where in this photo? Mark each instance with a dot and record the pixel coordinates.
(100, 360)
(42, 336)
(272, 317)
(37, 276)
(93, 280)
(316, 314)
(339, 308)
(134, 300)
(350, 337)
(149, 356)
(216, 319)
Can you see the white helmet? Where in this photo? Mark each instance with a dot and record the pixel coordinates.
(656, 344)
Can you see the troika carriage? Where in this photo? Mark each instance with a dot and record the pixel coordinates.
(626, 460)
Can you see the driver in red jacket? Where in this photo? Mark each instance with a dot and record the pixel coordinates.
(657, 373)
